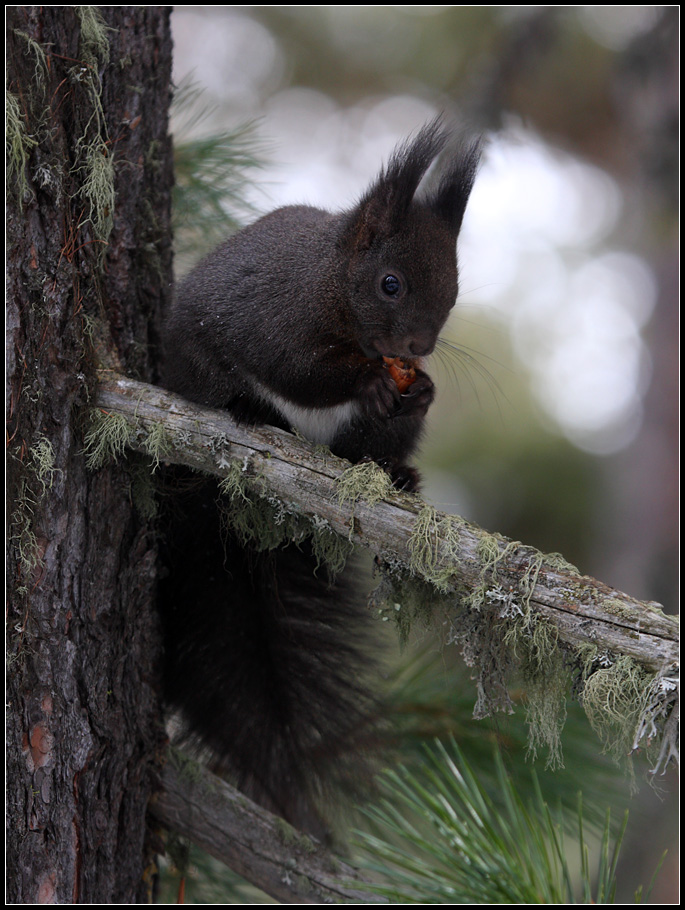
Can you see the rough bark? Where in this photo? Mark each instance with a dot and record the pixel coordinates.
(88, 270)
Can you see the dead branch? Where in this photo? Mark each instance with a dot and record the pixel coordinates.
(290, 866)
(582, 609)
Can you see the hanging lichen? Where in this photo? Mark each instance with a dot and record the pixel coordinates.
(405, 600)
(94, 41)
(264, 522)
(21, 531)
(616, 700)
(41, 460)
(434, 547)
(37, 474)
(490, 553)
(659, 723)
(34, 49)
(545, 677)
(18, 145)
(97, 188)
(106, 439)
(330, 548)
(94, 159)
(158, 443)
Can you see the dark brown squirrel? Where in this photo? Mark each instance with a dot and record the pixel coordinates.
(302, 320)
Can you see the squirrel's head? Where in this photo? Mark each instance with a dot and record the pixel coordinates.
(400, 250)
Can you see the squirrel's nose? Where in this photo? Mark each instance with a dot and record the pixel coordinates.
(417, 344)
(420, 345)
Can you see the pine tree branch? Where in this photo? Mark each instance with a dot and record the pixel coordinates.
(456, 556)
(290, 866)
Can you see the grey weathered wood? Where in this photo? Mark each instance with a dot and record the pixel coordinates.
(290, 866)
(582, 609)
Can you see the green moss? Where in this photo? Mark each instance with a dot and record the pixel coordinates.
(490, 552)
(494, 625)
(498, 631)
(248, 513)
(532, 643)
(586, 655)
(629, 707)
(530, 576)
(188, 768)
(21, 532)
(285, 832)
(291, 837)
(493, 550)
(480, 638)
(252, 521)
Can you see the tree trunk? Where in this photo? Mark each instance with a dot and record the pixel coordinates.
(89, 267)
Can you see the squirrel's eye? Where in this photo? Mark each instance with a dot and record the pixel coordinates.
(391, 285)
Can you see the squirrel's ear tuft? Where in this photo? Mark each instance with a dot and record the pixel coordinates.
(449, 200)
(384, 206)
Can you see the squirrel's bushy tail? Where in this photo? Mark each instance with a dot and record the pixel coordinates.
(265, 662)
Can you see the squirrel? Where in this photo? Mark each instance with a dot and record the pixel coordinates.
(319, 322)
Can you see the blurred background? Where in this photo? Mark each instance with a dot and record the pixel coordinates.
(557, 417)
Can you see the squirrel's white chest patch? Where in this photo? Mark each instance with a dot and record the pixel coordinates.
(320, 425)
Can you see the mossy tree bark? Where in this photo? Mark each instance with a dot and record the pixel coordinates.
(89, 266)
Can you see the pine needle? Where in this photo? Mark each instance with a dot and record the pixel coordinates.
(211, 175)
(440, 838)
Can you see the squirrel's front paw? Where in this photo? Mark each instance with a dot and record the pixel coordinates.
(419, 396)
(379, 394)
(403, 476)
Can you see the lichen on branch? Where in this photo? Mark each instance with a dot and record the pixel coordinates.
(517, 615)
